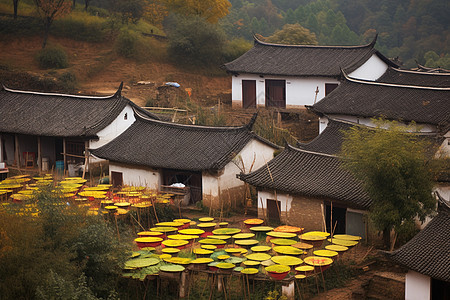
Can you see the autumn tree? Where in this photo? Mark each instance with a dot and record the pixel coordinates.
(131, 10)
(293, 34)
(393, 165)
(155, 11)
(210, 10)
(48, 11)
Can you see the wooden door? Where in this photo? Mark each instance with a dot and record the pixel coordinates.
(116, 179)
(273, 211)
(248, 93)
(276, 93)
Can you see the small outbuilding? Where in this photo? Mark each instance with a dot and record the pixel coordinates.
(427, 257)
(205, 159)
(48, 130)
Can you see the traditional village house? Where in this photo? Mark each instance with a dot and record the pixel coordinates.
(427, 258)
(45, 130)
(205, 159)
(329, 141)
(359, 101)
(291, 76)
(310, 190)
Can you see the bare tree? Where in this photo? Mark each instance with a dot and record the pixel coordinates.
(48, 11)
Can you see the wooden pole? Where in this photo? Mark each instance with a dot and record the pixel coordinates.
(323, 218)
(264, 213)
(86, 157)
(154, 210)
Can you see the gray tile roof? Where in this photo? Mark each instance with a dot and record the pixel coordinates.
(405, 77)
(160, 144)
(329, 141)
(59, 115)
(428, 252)
(309, 173)
(302, 60)
(429, 105)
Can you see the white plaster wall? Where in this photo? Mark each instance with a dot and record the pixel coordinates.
(372, 69)
(256, 153)
(417, 286)
(299, 91)
(323, 123)
(285, 200)
(210, 185)
(137, 175)
(117, 127)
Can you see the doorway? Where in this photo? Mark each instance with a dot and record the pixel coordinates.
(274, 210)
(337, 225)
(116, 179)
(276, 93)
(248, 93)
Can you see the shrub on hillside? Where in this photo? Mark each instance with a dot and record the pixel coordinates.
(126, 43)
(82, 27)
(22, 26)
(235, 48)
(68, 80)
(52, 57)
(194, 41)
(131, 44)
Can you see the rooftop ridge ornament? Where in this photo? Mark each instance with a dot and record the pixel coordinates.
(119, 90)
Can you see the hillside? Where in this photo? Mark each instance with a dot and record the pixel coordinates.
(100, 71)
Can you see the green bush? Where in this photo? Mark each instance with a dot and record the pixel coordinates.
(68, 80)
(131, 44)
(24, 26)
(52, 57)
(82, 26)
(194, 41)
(126, 43)
(235, 48)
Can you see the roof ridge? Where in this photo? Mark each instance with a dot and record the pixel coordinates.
(418, 72)
(376, 83)
(198, 127)
(291, 147)
(369, 45)
(59, 94)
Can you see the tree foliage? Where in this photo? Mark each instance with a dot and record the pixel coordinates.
(130, 10)
(47, 246)
(210, 10)
(293, 34)
(393, 165)
(194, 41)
